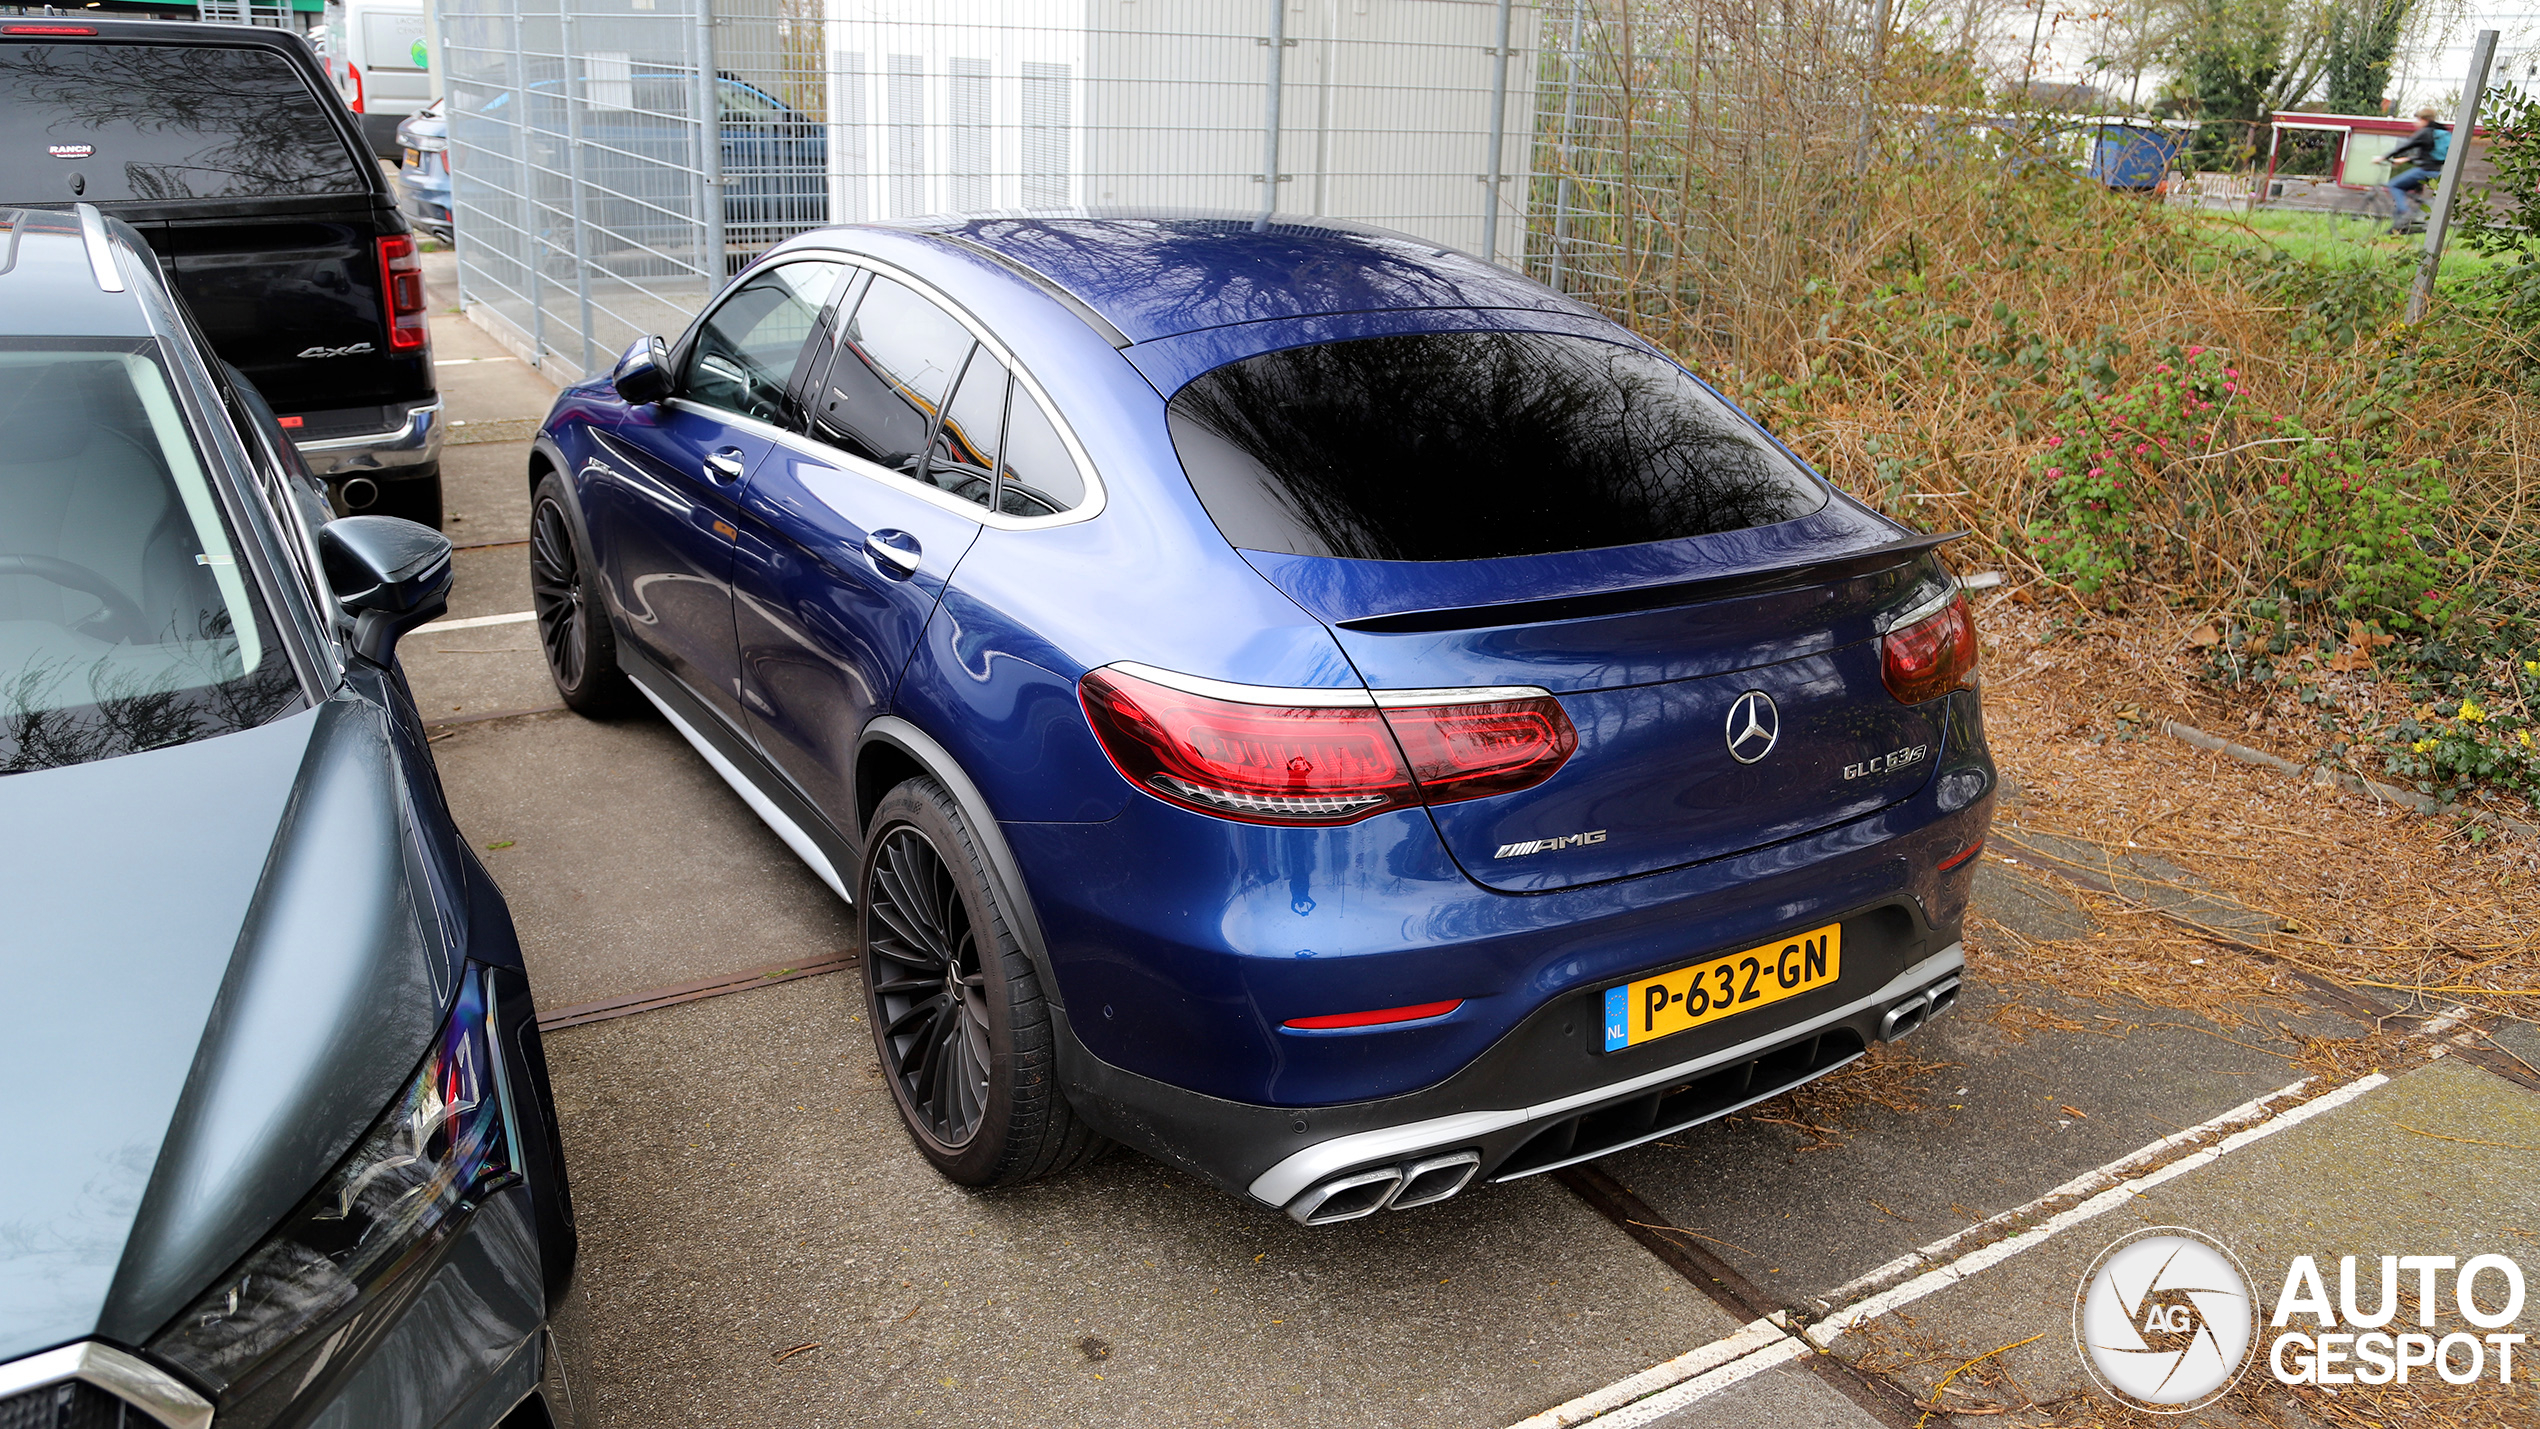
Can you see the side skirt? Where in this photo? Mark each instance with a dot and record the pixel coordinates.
(823, 857)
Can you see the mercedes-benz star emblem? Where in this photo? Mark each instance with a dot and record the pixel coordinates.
(1755, 726)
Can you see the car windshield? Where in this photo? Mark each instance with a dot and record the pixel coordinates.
(126, 619)
(1465, 446)
(109, 121)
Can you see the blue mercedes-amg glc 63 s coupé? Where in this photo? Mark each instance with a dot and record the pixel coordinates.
(1335, 715)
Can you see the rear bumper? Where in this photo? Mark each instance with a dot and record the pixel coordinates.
(1325, 1164)
(410, 448)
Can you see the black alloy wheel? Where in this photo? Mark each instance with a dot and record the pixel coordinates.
(931, 999)
(967, 1041)
(573, 628)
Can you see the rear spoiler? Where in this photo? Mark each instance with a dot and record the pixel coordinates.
(1838, 566)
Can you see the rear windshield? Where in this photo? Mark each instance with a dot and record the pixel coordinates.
(127, 620)
(1464, 446)
(104, 122)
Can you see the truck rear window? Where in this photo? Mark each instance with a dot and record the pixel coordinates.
(1471, 445)
(105, 122)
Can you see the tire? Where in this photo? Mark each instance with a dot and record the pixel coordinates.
(415, 498)
(959, 1020)
(573, 623)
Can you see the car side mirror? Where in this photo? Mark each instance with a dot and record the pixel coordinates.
(393, 574)
(643, 374)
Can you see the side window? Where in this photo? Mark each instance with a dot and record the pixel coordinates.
(964, 459)
(745, 352)
(898, 355)
(1038, 477)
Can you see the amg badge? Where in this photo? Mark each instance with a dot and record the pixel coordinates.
(1594, 836)
(315, 352)
(1888, 762)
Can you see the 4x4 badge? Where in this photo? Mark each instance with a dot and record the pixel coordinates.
(312, 352)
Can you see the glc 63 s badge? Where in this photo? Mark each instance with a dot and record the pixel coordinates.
(1889, 762)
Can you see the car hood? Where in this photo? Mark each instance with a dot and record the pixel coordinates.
(216, 980)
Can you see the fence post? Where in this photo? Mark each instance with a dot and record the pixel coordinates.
(2464, 132)
(1498, 138)
(532, 247)
(577, 87)
(1270, 121)
(709, 150)
(1567, 151)
(450, 142)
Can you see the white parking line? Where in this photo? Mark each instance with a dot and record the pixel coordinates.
(1762, 1344)
(472, 622)
(1825, 1331)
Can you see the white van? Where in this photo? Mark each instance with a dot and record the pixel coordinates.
(380, 56)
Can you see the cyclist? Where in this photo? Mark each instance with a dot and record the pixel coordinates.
(2416, 162)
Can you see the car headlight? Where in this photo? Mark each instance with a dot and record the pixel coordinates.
(335, 1259)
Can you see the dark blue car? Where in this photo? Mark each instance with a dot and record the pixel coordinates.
(1330, 713)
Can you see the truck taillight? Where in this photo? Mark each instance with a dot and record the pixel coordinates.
(351, 88)
(1932, 656)
(1323, 763)
(401, 291)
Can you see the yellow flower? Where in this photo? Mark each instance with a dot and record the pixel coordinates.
(2422, 745)
(2471, 712)
(2531, 667)
(2525, 736)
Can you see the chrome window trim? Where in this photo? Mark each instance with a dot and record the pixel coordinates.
(1281, 1183)
(1097, 491)
(1294, 697)
(126, 1376)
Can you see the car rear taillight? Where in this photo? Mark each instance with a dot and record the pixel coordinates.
(1932, 656)
(47, 30)
(351, 89)
(401, 289)
(1322, 757)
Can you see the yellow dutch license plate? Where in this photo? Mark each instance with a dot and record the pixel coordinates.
(1696, 996)
(413, 159)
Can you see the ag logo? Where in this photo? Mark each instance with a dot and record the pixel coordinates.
(2163, 1320)
(1755, 726)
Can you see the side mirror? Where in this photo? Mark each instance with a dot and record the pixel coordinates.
(643, 374)
(392, 574)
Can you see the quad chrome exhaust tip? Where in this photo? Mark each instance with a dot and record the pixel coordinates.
(1922, 1007)
(1424, 1182)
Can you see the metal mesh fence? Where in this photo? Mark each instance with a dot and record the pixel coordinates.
(582, 161)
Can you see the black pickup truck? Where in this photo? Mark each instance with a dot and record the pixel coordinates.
(227, 148)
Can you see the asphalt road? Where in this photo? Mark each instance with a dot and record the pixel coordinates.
(761, 1246)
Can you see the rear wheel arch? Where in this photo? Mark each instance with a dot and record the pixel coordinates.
(889, 752)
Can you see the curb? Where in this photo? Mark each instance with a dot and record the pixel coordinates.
(2386, 793)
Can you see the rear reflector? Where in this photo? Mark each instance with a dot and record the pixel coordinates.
(1962, 855)
(1321, 763)
(1932, 656)
(289, 422)
(46, 30)
(401, 290)
(1375, 1019)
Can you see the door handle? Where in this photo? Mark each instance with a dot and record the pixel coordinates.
(894, 553)
(723, 467)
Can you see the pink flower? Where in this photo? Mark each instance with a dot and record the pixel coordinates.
(2204, 406)
(2231, 387)
(2161, 367)
(2196, 352)
(2054, 471)
(2231, 372)
(2054, 441)
(2141, 447)
(2097, 470)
